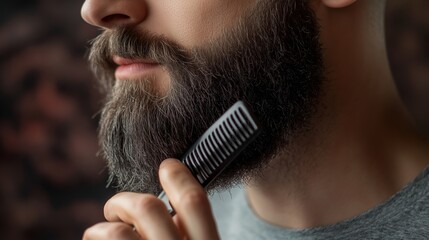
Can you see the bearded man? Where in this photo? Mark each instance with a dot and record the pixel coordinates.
(339, 157)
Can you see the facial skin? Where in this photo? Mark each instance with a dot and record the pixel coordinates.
(277, 70)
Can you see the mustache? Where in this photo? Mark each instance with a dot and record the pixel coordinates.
(126, 42)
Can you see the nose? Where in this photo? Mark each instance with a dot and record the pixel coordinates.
(111, 13)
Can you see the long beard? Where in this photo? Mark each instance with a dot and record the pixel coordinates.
(271, 60)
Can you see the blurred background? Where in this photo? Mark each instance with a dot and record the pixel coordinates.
(407, 30)
(52, 184)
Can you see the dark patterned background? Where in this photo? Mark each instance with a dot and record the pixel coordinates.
(52, 184)
(408, 43)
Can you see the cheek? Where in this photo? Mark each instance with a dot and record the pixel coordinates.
(193, 25)
(194, 22)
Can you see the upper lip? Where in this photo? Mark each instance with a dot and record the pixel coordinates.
(118, 60)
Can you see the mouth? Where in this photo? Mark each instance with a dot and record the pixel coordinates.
(128, 69)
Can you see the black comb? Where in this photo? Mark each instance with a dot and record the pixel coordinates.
(219, 146)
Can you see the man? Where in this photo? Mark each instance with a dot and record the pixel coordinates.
(339, 156)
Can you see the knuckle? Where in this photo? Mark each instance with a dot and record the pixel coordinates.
(118, 231)
(113, 203)
(107, 210)
(147, 203)
(105, 230)
(88, 234)
(109, 204)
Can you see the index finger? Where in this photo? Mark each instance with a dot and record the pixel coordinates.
(189, 200)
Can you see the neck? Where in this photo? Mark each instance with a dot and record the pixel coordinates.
(364, 147)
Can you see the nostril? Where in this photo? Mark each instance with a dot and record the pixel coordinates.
(115, 18)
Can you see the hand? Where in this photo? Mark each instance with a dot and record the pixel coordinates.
(144, 216)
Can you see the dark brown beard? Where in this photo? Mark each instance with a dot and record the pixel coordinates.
(271, 60)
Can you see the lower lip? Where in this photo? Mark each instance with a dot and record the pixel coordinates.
(134, 70)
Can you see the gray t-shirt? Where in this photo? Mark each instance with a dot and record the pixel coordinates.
(403, 216)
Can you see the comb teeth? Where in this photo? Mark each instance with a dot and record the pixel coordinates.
(221, 143)
(219, 146)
